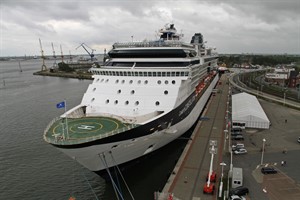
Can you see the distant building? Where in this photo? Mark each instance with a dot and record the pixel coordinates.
(280, 76)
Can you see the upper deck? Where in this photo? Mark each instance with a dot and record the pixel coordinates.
(80, 130)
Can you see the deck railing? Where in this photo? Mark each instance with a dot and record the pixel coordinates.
(158, 43)
(61, 140)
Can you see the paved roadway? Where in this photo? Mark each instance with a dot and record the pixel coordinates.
(281, 135)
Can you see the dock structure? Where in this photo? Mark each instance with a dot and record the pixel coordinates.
(189, 175)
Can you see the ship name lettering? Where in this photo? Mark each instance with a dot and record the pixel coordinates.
(187, 105)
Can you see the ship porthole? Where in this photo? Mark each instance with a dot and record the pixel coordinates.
(146, 82)
(119, 91)
(137, 103)
(132, 91)
(126, 102)
(93, 99)
(116, 101)
(123, 81)
(166, 92)
(117, 81)
(159, 82)
(139, 81)
(157, 103)
(131, 81)
(166, 82)
(94, 89)
(106, 80)
(173, 82)
(107, 101)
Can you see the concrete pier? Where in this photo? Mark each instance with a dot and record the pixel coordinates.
(189, 175)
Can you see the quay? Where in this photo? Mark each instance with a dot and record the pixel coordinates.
(189, 175)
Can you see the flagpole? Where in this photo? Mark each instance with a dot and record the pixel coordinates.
(66, 119)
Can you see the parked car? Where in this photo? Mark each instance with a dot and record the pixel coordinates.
(235, 130)
(237, 137)
(236, 197)
(299, 139)
(268, 170)
(236, 133)
(240, 151)
(237, 146)
(240, 191)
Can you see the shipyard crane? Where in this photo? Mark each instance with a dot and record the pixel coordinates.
(43, 57)
(62, 55)
(83, 45)
(54, 56)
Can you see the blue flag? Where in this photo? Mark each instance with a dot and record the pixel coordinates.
(60, 105)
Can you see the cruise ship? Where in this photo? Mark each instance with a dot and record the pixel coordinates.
(145, 95)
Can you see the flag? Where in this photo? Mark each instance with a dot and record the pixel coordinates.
(60, 105)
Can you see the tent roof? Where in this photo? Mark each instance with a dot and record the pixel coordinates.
(246, 107)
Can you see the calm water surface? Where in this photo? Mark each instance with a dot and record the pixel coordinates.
(32, 169)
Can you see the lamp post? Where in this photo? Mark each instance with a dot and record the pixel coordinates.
(262, 152)
(221, 184)
(225, 138)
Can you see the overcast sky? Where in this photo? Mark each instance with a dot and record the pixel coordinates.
(232, 26)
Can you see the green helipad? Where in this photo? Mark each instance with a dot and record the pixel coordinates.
(86, 129)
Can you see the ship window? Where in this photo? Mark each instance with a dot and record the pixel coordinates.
(126, 102)
(163, 73)
(173, 82)
(159, 82)
(94, 89)
(121, 73)
(149, 73)
(131, 81)
(146, 82)
(154, 73)
(166, 92)
(166, 82)
(177, 73)
(117, 81)
(168, 74)
(157, 103)
(182, 74)
(145, 73)
(116, 101)
(119, 91)
(136, 74)
(107, 101)
(93, 99)
(137, 103)
(140, 73)
(132, 91)
(158, 73)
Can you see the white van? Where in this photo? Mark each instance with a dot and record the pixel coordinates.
(237, 177)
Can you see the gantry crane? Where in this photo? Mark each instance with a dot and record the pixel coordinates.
(43, 57)
(54, 56)
(83, 45)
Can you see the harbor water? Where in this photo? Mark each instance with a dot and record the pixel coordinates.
(32, 169)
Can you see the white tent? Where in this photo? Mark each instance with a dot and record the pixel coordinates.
(246, 108)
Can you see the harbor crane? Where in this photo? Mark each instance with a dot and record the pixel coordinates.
(83, 45)
(54, 56)
(62, 55)
(43, 57)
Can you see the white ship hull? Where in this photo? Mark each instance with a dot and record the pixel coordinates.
(102, 156)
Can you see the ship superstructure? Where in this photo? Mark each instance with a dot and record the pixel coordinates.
(144, 96)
